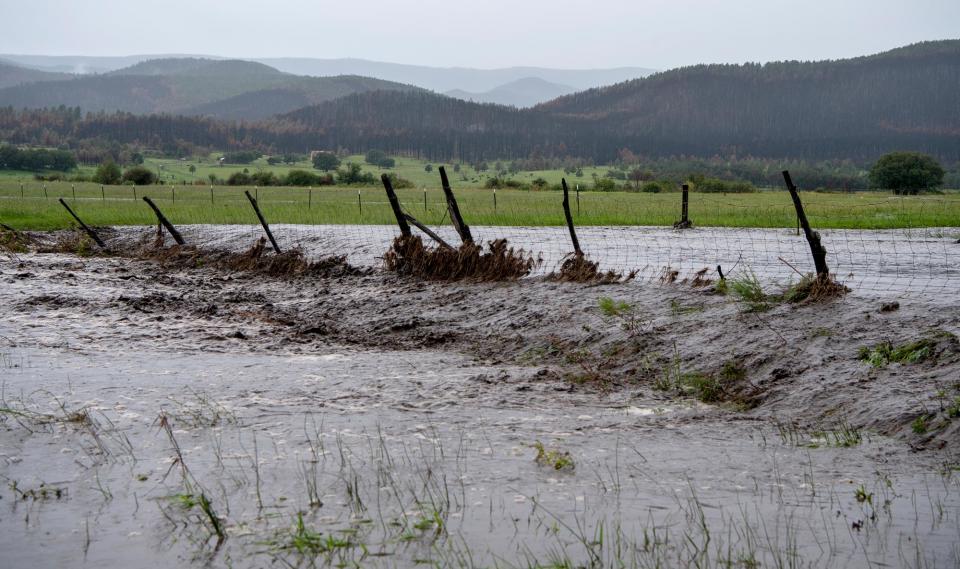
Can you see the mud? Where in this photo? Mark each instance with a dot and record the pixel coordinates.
(401, 417)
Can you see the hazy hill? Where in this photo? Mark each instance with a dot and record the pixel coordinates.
(443, 79)
(440, 79)
(525, 92)
(11, 75)
(305, 91)
(223, 88)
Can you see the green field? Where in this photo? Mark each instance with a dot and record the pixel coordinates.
(39, 209)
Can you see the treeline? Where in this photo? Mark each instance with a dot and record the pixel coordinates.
(36, 159)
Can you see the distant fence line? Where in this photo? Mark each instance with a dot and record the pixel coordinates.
(903, 261)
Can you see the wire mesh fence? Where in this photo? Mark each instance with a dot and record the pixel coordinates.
(875, 243)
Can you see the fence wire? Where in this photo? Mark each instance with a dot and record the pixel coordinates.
(902, 261)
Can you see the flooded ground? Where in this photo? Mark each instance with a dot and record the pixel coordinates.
(871, 261)
(158, 415)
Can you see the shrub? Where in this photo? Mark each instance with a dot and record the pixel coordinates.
(239, 179)
(652, 187)
(108, 173)
(243, 157)
(140, 176)
(713, 185)
(326, 161)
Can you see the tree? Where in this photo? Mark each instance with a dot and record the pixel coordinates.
(326, 161)
(906, 173)
(375, 157)
(140, 176)
(108, 173)
(192, 168)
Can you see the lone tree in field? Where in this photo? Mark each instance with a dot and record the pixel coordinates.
(326, 161)
(906, 173)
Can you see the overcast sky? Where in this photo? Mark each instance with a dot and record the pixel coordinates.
(490, 33)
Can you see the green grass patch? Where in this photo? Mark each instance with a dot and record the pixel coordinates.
(886, 353)
(36, 208)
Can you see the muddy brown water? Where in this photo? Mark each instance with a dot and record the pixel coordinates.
(401, 457)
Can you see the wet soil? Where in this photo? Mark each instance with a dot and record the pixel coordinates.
(412, 410)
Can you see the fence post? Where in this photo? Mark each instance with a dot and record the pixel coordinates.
(462, 228)
(494, 200)
(45, 196)
(394, 204)
(359, 203)
(578, 200)
(173, 194)
(163, 221)
(73, 190)
(684, 222)
(211, 193)
(263, 222)
(310, 198)
(813, 238)
(103, 194)
(427, 230)
(93, 234)
(21, 191)
(424, 200)
(134, 192)
(566, 213)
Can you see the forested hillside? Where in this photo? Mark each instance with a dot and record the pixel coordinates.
(851, 109)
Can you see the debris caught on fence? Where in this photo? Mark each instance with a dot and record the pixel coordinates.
(408, 256)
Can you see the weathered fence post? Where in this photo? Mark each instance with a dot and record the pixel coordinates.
(164, 221)
(134, 192)
(173, 194)
(45, 196)
(578, 200)
(424, 200)
(359, 203)
(263, 222)
(310, 197)
(21, 191)
(462, 228)
(494, 200)
(211, 193)
(813, 238)
(684, 222)
(566, 213)
(394, 204)
(73, 190)
(103, 194)
(93, 234)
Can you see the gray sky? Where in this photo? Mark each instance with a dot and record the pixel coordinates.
(492, 33)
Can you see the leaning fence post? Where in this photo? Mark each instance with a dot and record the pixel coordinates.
(427, 230)
(566, 213)
(462, 228)
(164, 221)
(263, 221)
(93, 234)
(813, 238)
(394, 204)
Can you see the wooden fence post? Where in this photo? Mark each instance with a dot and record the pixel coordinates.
(813, 238)
(684, 222)
(566, 212)
(164, 221)
(93, 234)
(427, 230)
(462, 228)
(394, 204)
(263, 222)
